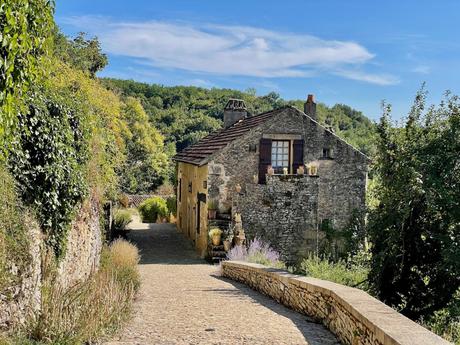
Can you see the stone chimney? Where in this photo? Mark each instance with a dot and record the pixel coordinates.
(234, 111)
(309, 107)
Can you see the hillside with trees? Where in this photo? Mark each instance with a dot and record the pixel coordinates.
(185, 114)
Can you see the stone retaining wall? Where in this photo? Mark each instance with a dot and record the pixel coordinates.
(352, 315)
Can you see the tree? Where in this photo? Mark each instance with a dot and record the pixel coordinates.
(81, 53)
(25, 28)
(415, 229)
(146, 165)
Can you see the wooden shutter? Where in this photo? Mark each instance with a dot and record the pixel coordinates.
(265, 158)
(298, 155)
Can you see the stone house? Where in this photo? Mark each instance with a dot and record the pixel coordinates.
(260, 156)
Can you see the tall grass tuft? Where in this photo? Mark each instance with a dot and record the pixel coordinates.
(89, 310)
(341, 272)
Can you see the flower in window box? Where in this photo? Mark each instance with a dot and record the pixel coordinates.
(285, 171)
(313, 170)
(300, 170)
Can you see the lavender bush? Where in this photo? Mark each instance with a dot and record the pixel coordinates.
(258, 252)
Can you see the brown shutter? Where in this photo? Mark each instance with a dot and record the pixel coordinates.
(265, 158)
(298, 155)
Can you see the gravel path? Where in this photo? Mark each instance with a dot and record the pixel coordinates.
(184, 301)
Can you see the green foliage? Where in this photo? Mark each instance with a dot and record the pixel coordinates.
(121, 219)
(415, 229)
(146, 165)
(172, 205)
(153, 208)
(185, 114)
(446, 322)
(81, 53)
(25, 27)
(14, 241)
(343, 272)
(47, 159)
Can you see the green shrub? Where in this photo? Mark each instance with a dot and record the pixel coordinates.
(341, 272)
(153, 208)
(446, 322)
(172, 205)
(123, 200)
(121, 219)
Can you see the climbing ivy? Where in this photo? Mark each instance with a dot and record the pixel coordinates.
(47, 158)
(25, 28)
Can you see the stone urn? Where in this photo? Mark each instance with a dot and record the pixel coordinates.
(227, 245)
(300, 170)
(216, 240)
(270, 170)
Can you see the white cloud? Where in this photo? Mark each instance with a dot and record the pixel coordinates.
(422, 69)
(379, 79)
(229, 50)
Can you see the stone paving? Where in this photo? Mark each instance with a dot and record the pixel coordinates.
(183, 300)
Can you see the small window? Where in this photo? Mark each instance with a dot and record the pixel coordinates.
(180, 190)
(280, 155)
(327, 153)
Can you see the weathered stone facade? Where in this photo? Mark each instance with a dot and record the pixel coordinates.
(287, 210)
(352, 315)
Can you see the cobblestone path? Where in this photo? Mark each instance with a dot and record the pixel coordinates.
(184, 301)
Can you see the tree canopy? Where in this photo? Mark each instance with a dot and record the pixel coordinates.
(415, 228)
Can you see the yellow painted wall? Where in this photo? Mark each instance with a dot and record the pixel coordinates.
(187, 203)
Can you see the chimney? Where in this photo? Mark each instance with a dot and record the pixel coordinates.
(309, 107)
(234, 111)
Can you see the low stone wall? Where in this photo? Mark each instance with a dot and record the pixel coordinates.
(352, 315)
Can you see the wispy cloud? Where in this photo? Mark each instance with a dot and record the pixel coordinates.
(422, 69)
(379, 79)
(231, 50)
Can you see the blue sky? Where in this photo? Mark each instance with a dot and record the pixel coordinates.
(353, 52)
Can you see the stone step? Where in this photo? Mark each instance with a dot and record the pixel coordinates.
(221, 254)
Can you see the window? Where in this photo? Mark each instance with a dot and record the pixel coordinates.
(180, 189)
(280, 155)
(327, 153)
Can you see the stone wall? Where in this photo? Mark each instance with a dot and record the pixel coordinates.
(24, 299)
(84, 245)
(284, 213)
(287, 213)
(352, 315)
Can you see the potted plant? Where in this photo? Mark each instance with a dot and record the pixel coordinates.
(228, 242)
(212, 209)
(215, 235)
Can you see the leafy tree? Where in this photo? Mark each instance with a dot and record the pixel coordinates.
(25, 27)
(81, 53)
(146, 165)
(415, 229)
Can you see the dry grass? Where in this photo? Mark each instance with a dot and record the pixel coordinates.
(91, 310)
(123, 254)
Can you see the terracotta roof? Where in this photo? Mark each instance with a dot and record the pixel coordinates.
(199, 152)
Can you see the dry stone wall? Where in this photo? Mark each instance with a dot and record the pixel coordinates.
(351, 314)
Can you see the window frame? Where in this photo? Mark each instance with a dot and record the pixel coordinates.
(279, 169)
